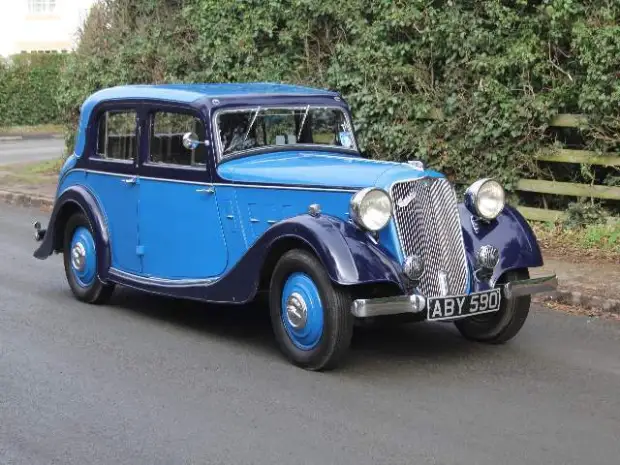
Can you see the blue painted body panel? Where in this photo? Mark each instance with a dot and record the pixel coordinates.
(257, 209)
(67, 166)
(305, 168)
(180, 231)
(118, 202)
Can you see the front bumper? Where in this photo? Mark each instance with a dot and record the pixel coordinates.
(416, 304)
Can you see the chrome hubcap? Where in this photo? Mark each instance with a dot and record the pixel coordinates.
(296, 311)
(78, 256)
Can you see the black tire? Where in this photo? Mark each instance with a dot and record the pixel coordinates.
(96, 292)
(337, 324)
(501, 326)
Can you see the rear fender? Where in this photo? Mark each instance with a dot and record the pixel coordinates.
(76, 199)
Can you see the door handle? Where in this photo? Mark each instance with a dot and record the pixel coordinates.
(131, 181)
(208, 190)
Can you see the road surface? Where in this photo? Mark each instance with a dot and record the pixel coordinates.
(30, 150)
(147, 380)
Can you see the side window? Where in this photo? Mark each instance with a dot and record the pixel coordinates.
(166, 139)
(116, 138)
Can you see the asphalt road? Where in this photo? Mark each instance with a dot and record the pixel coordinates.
(147, 380)
(29, 150)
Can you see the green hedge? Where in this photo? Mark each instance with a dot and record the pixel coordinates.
(497, 70)
(29, 85)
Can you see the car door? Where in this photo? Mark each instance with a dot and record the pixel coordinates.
(179, 225)
(112, 177)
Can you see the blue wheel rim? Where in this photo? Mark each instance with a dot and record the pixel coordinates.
(300, 290)
(83, 257)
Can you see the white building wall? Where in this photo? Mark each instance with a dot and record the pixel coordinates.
(24, 30)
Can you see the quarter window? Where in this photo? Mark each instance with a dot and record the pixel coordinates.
(41, 6)
(166, 134)
(117, 135)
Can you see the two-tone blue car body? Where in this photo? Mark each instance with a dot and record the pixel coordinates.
(217, 192)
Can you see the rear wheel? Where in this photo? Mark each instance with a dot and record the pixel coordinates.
(503, 325)
(311, 317)
(80, 260)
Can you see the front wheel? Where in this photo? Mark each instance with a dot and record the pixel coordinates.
(80, 259)
(503, 325)
(311, 317)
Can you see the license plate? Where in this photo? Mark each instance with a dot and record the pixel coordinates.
(460, 306)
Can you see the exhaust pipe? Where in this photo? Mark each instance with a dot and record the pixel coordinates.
(39, 233)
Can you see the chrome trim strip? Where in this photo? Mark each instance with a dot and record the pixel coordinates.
(120, 175)
(197, 167)
(364, 308)
(531, 286)
(221, 184)
(120, 161)
(162, 281)
(137, 176)
(261, 186)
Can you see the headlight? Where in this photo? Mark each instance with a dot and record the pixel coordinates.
(485, 198)
(371, 208)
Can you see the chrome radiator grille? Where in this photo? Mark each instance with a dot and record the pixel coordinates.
(428, 225)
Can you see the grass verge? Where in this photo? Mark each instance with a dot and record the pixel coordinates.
(32, 171)
(38, 178)
(21, 130)
(596, 241)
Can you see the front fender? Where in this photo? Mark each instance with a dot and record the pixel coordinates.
(512, 236)
(349, 255)
(71, 200)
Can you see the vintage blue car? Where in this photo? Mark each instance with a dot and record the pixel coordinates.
(224, 192)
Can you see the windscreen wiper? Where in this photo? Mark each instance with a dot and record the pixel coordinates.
(251, 124)
(303, 121)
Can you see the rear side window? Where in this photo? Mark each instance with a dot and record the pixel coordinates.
(117, 135)
(166, 139)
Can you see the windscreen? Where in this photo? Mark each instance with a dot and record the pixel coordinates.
(255, 128)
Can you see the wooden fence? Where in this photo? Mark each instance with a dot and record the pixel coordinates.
(567, 188)
(563, 156)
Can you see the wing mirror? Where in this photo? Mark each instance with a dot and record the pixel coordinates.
(191, 141)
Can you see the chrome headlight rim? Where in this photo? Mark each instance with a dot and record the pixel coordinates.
(355, 210)
(473, 199)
